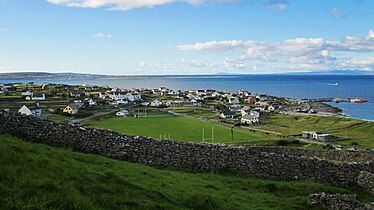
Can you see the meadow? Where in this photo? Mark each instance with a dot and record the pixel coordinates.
(180, 128)
(35, 176)
(351, 131)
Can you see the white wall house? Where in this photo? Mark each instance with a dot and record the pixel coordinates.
(156, 103)
(34, 111)
(38, 97)
(123, 113)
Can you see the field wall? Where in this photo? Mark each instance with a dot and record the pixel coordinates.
(342, 168)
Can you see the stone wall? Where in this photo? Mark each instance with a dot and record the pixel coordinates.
(264, 162)
(338, 202)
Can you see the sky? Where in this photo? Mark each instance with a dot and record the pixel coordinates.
(136, 37)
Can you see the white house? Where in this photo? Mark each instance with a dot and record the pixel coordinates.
(156, 103)
(248, 119)
(34, 111)
(38, 96)
(233, 100)
(27, 93)
(91, 102)
(123, 112)
(254, 114)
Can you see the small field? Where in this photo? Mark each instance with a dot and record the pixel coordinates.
(179, 128)
(35, 176)
(353, 132)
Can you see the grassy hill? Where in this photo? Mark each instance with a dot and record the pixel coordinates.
(353, 132)
(179, 128)
(35, 176)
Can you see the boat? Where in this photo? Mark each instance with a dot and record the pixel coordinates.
(358, 100)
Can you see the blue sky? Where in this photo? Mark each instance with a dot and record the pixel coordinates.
(185, 36)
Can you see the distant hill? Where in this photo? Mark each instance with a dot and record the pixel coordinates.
(66, 76)
(333, 72)
(45, 75)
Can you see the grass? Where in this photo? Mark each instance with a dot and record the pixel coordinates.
(193, 111)
(35, 176)
(179, 128)
(350, 130)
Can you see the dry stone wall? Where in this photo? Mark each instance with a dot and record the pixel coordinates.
(338, 202)
(264, 162)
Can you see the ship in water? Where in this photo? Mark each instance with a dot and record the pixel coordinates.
(358, 100)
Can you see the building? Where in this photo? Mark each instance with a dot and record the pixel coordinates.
(156, 103)
(38, 96)
(234, 100)
(33, 111)
(228, 114)
(72, 108)
(322, 137)
(317, 136)
(123, 113)
(249, 119)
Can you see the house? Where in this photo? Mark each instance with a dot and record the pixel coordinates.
(234, 100)
(145, 103)
(90, 102)
(308, 134)
(122, 112)
(38, 96)
(34, 111)
(249, 119)
(245, 110)
(254, 114)
(250, 100)
(262, 103)
(273, 108)
(322, 137)
(227, 114)
(156, 103)
(27, 93)
(72, 108)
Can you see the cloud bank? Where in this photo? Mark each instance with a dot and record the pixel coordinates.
(298, 53)
(123, 5)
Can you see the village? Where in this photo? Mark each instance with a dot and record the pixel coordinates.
(73, 103)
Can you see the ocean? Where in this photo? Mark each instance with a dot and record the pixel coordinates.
(295, 86)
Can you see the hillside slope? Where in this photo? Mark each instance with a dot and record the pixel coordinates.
(41, 177)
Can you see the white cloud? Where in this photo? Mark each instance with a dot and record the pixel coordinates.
(302, 53)
(4, 29)
(358, 63)
(101, 35)
(122, 5)
(337, 13)
(277, 4)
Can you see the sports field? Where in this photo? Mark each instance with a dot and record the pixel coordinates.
(180, 128)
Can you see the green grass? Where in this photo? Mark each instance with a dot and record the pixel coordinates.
(57, 117)
(179, 128)
(35, 176)
(350, 130)
(193, 111)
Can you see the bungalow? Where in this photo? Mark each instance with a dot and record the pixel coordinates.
(250, 100)
(27, 93)
(308, 134)
(38, 96)
(273, 107)
(249, 119)
(322, 137)
(34, 111)
(234, 100)
(72, 108)
(123, 112)
(254, 114)
(156, 103)
(228, 114)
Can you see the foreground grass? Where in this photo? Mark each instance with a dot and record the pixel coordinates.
(35, 176)
(179, 128)
(352, 131)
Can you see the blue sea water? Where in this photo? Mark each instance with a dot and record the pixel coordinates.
(296, 86)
